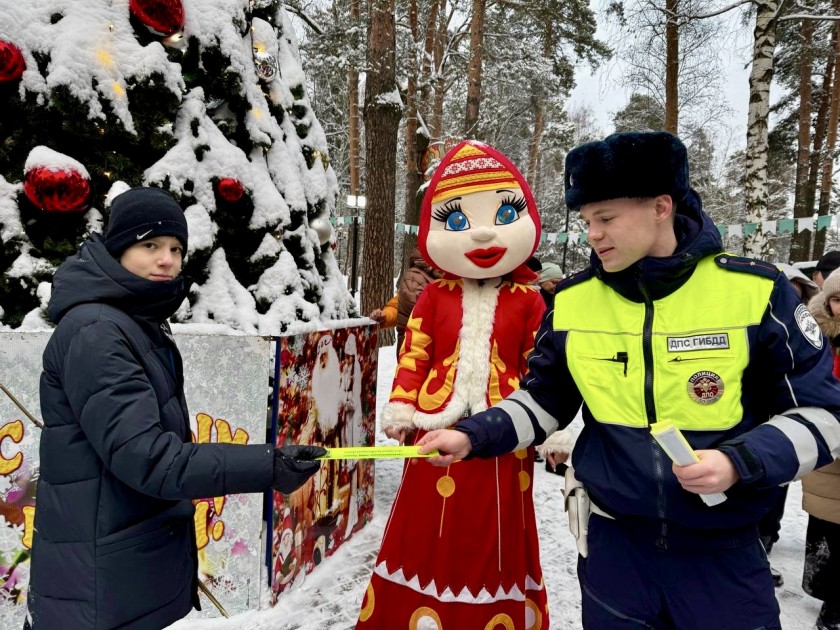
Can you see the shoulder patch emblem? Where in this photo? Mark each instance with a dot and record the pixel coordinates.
(808, 325)
(705, 387)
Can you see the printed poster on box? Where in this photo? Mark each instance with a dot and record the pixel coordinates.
(227, 390)
(326, 395)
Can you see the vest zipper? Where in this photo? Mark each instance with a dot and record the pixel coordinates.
(650, 409)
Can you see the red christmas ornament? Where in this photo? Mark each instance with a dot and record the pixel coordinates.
(12, 64)
(164, 17)
(231, 190)
(56, 191)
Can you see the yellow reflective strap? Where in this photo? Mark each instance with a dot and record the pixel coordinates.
(375, 452)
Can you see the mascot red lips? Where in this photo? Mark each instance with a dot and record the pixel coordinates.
(486, 257)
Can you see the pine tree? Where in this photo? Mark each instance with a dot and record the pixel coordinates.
(203, 98)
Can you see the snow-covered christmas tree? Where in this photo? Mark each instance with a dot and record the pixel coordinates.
(203, 98)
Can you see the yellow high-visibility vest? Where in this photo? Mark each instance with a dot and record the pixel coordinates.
(682, 360)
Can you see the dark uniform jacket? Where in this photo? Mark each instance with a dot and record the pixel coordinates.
(114, 543)
(717, 344)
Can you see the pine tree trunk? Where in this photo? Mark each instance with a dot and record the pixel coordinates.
(536, 136)
(353, 105)
(427, 66)
(538, 100)
(757, 244)
(800, 245)
(672, 66)
(831, 144)
(819, 138)
(440, 81)
(413, 156)
(382, 119)
(474, 71)
(412, 163)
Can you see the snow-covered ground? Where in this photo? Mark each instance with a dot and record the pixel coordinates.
(329, 598)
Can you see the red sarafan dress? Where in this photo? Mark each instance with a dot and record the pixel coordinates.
(460, 550)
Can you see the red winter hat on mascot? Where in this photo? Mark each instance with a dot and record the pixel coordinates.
(470, 167)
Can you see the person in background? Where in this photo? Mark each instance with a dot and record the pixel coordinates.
(770, 524)
(664, 326)
(550, 275)
(827, 263)
(414, 280)
(398, 309)
(386, 316)
(821, 488)
(114, 542)
(534, 264)
(805, 287)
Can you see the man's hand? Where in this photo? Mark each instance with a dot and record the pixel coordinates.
(452, 445)
(715, 472)
(378, 316)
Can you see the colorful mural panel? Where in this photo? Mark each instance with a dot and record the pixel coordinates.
(326, 395)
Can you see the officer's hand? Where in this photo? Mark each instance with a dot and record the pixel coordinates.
(293, 465)
(715, 472)
(452, 445)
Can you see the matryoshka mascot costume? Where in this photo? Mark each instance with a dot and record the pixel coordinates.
(460, 550)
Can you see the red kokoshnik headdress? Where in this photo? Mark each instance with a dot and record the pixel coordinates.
(469, 167)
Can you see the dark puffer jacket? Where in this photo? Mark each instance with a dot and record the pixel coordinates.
(114, 542)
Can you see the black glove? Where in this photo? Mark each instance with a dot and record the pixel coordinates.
(293, 465)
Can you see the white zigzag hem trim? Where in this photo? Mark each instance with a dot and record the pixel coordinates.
(464, 597)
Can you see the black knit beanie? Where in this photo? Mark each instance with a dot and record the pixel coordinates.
(142, 213)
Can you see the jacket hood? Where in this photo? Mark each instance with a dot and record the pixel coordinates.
(93, 276)
(415, 259)
(697, 238)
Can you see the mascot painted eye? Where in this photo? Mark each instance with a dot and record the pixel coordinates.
(510, 209)
(457, 221)
(451, 216)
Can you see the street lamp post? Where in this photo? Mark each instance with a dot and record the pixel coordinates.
(566, 242)
(357, 202)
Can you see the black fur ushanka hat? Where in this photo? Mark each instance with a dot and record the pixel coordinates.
(632, 164)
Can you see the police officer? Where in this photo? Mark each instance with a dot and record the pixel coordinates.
(664, 326)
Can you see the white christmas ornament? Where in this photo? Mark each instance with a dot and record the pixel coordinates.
(323, 228)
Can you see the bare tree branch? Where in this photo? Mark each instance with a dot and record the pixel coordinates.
(291, 8)
(721, 11)
(807, 16)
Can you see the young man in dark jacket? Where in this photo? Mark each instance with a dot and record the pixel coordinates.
(114, 542)
(663, 326)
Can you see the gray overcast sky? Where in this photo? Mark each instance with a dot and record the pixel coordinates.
(603, 92)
